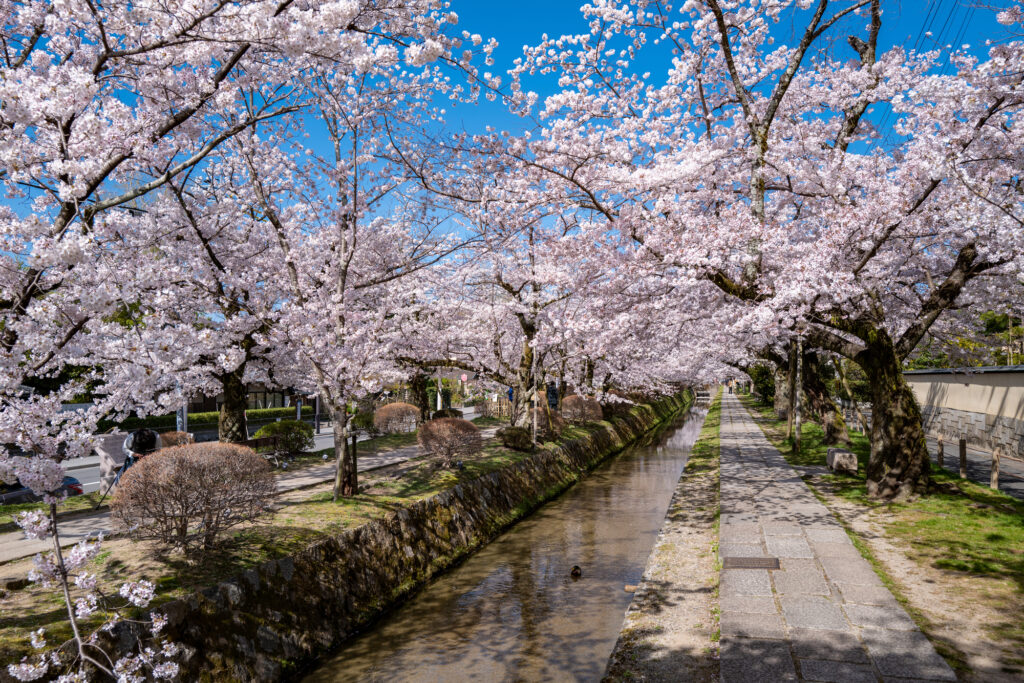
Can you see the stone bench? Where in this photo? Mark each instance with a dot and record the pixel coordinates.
(841, 460)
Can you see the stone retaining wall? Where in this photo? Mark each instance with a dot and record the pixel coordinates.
(267, 623)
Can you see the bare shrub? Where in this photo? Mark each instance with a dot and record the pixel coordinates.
(581, 409)
(171, 439)
(450, 437)
(183, 497)
(396, 417)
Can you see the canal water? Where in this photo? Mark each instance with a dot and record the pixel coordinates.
(512, 612)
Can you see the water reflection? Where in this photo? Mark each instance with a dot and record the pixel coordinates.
(512, 612)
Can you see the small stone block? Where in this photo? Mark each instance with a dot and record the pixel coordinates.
(841, 460)
(812, 612)
(836, 672)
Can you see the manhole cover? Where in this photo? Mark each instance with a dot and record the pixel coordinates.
(751, 563)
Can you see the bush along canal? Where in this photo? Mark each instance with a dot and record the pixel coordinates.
(514, 610)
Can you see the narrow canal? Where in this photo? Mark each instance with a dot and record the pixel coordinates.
(512, 611)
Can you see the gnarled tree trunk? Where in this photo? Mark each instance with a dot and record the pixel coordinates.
(418, 385)
(899, 457)
(346, 478)
(820, 402)
(231, 421)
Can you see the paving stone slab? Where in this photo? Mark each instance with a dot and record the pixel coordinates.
(906, 654)
(744, 660)
(880, 616)
(751, 604)
(745, 582)
(740, 550)
(840, 550)
(812, 612)
(865, 595)
(843, 646)
(782, 529)
(740, 533)
(788, 546)
(806, 581)
(828, 534)
(849, 570)
(752, 625)
(738, 517)
(836, 672)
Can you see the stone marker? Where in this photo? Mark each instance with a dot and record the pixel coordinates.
(841, 460)
(963, 458)
(993, 481)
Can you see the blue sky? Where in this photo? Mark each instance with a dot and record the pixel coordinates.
(522, 22)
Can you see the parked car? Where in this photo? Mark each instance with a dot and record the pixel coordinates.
(16, 493)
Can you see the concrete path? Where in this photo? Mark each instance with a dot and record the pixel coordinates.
(824, 615)
(14, 545)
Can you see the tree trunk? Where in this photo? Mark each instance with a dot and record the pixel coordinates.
(346, 479)
(820, 403)
(899, 464)
(231, 421)
(781, 393)
(791, 391)
(421, 398)
(521, 395)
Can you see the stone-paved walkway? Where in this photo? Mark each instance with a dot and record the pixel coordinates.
(824, 616)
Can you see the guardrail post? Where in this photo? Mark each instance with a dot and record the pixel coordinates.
(963, 458)
(941, 453)
(993, 481)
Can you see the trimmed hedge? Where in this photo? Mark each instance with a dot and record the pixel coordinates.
(209, 418)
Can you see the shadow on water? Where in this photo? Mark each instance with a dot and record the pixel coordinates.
(512, 611)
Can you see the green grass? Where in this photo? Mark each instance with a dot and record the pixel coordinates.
(704, 454)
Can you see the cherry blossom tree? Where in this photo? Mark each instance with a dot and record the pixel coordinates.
(109, 114)
(756, 166)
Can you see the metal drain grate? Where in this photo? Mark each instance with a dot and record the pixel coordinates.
(751, 563)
